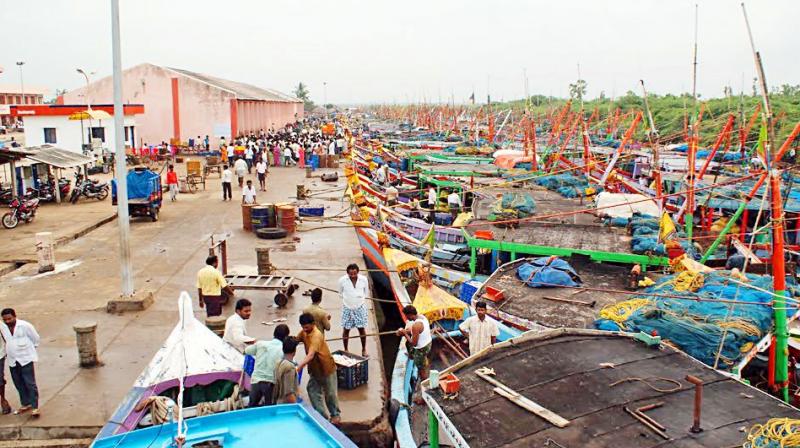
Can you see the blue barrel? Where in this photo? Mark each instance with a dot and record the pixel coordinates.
(260, 216)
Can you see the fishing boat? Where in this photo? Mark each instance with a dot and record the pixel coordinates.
(581, 388)
(398, 272)
(288, 425)
(549, 292)
(194, 391)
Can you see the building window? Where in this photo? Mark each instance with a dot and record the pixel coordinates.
(99, 133)
(50, 135)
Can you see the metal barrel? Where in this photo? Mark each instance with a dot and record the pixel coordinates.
(286, 214)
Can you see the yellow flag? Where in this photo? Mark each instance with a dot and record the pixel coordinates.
(666, 227)
(430, 238)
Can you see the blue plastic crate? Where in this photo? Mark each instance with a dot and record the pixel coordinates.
(311, 211)
(249, 365)
(350, 377)
(468, 290)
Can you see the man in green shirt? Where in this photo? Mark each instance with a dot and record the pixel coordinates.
(285, 390)
(267, 354)
(321, 317)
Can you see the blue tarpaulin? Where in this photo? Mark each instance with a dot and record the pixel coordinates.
(548, 272)
(141, 184)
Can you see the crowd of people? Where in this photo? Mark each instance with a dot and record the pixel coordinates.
(296, 144)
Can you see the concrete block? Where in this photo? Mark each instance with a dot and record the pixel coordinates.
(85, 335)
(139, 301)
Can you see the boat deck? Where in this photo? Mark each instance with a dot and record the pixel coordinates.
(547, 203)
(584, 237)
(532, 307)
(565, 372)
(576, 231)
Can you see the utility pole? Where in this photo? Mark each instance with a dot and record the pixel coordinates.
(121, 169)
(325, 97)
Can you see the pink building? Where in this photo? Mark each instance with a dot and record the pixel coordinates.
(14, 95)
(180, 104)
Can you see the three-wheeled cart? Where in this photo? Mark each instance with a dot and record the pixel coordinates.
(144, 193)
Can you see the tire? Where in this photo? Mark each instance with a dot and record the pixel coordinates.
(102, 194)
(281, 299)
(271, 233)
(10, 220)
(74, 197)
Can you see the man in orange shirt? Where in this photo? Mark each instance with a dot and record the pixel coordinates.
(322, 385)
(172, 183)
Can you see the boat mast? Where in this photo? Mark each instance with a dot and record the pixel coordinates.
(693, 141)
(781, 351)
(653, 136)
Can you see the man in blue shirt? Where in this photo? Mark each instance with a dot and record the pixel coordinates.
(267, 354)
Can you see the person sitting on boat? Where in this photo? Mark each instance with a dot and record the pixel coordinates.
(267, 355)
(418, 340)
(321, 317)
(354, 290)
(391, 195)
(236, 328)
(480, 331)
(380, 175)
(454, 204)
(433, 199)
(285, 390)
(210, 286)
(322, 385)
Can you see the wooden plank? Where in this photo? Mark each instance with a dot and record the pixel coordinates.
(745, 251)
(522, 401)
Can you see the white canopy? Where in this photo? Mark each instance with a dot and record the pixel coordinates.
(191, 349)
(620, 205)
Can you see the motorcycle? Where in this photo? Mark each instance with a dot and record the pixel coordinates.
(21, 210)
(46, 193)
(89, 188)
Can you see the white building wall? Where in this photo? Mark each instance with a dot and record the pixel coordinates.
(68, 132)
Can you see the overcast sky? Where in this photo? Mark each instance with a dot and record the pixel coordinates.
(382, 51)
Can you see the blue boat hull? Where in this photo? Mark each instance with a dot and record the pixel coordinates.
(286, 425)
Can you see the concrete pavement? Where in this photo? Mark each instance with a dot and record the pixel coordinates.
(166, 256)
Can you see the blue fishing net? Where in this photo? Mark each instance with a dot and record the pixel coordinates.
(566, 185)
(512, 206)
(698, 327)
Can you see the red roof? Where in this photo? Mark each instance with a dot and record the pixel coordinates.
(28, 110)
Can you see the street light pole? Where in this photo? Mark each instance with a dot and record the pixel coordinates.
(21, 82)
(88, 98)
(325, 97)
(121, 171)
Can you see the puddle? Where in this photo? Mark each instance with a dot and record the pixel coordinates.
(59, 268)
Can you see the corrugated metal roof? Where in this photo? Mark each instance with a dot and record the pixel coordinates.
(57, 157)
(241, 90)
